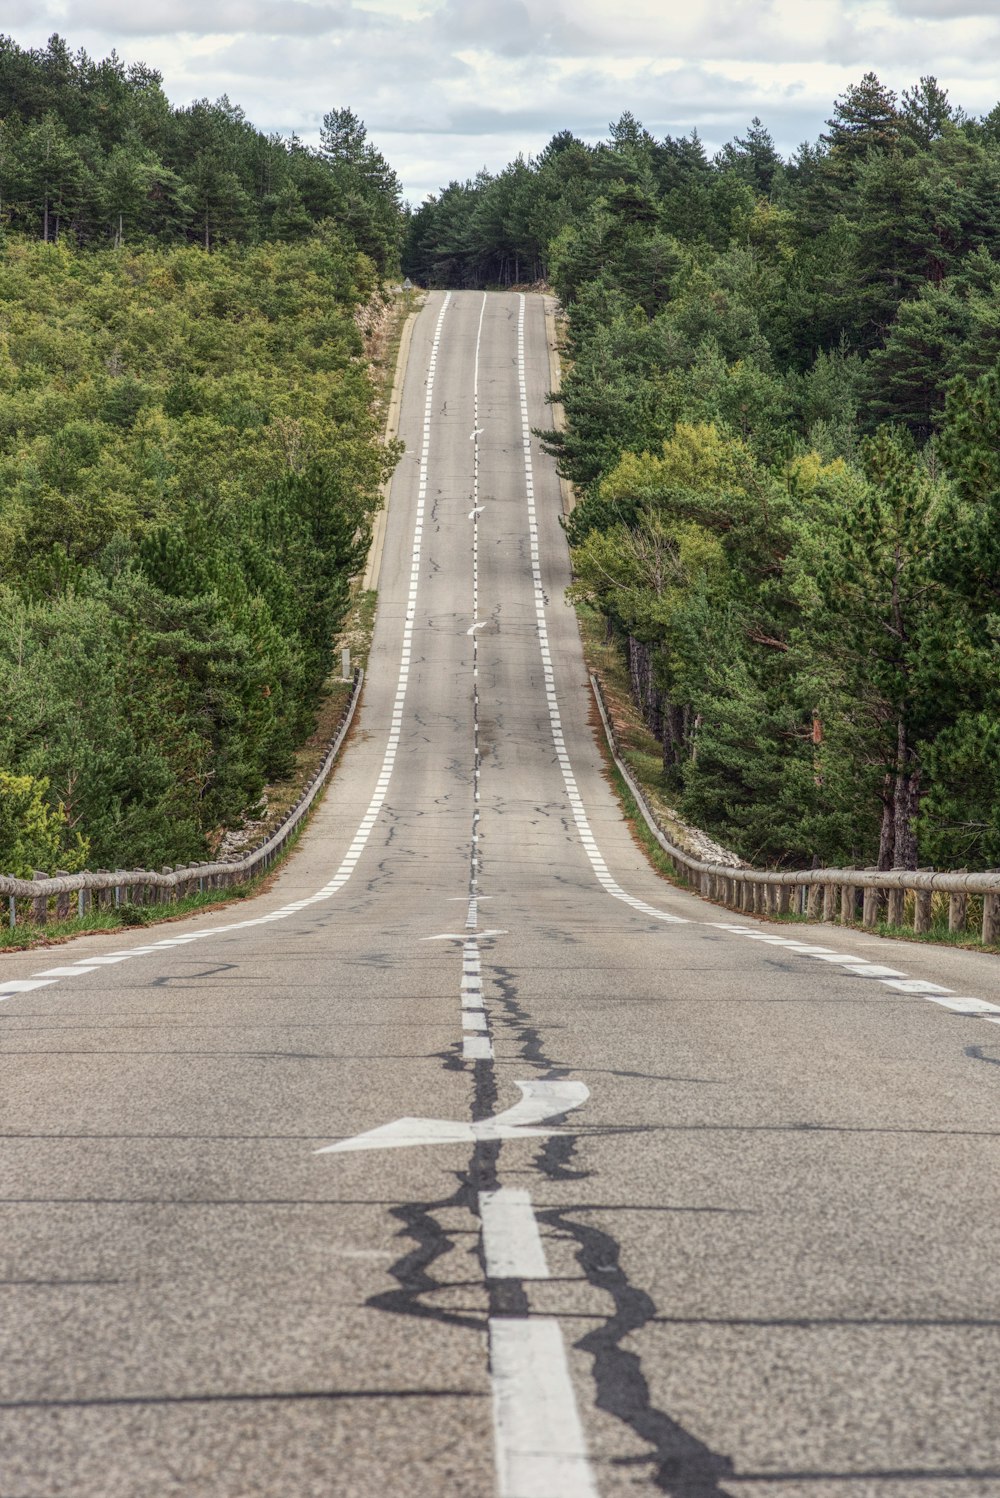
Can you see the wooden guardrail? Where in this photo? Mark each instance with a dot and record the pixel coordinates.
(850, 896)
(34, 899)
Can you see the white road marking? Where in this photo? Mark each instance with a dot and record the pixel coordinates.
(963, 1006)
(540, 1101)
(23, 985)
(512, 1244)
(540, 1448)
(65, 972)
(890, 977)
(465, 935)
(477, 1048)
(872, 970)
(589, 843)
(913, 985)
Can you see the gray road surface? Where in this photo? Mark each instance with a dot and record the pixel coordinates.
(756, 1254)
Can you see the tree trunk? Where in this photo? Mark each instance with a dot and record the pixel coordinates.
(906, 803)
(674, 736)
(644, 689)
(45, 222)
(887, 835)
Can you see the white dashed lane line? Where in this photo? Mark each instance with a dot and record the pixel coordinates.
(859, 967)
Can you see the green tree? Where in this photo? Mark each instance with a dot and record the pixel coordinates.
(34, 835)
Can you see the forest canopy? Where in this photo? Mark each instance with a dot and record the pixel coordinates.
(783, 400)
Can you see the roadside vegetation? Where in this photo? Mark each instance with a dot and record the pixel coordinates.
(190, 454)
(783, 394)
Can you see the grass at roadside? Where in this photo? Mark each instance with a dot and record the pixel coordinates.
(661, 861)
(25, 937)
(639, 749)
(386, 352)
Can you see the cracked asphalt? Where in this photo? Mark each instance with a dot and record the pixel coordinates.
(771, 1230)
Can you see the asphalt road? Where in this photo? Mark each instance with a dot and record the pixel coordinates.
(749, 1248)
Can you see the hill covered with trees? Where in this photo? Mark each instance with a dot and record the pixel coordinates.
(783, 400)
(189, 452)
(94, 150)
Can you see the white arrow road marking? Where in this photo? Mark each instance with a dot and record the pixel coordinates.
(465, 935)
(540, 1101)
(474, 436)
(478, 625)
(479, 509)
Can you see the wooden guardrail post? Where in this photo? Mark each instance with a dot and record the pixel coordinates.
(991, 920)
(958, 911)
(783, 893)
(829, 902)
(922, 911)
(848, 904)
(814, 902)
(40, 904)
(896, 907)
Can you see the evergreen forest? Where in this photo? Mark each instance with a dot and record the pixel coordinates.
(782, 394)
(189, 451)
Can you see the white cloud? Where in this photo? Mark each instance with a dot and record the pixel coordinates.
(447, 86)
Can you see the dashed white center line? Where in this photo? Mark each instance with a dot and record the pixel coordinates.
(540, 1448)
(512, 1244)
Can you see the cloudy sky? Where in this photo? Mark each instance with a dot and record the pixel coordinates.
(448, 86)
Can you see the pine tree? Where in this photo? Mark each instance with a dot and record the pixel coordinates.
(864, 119)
